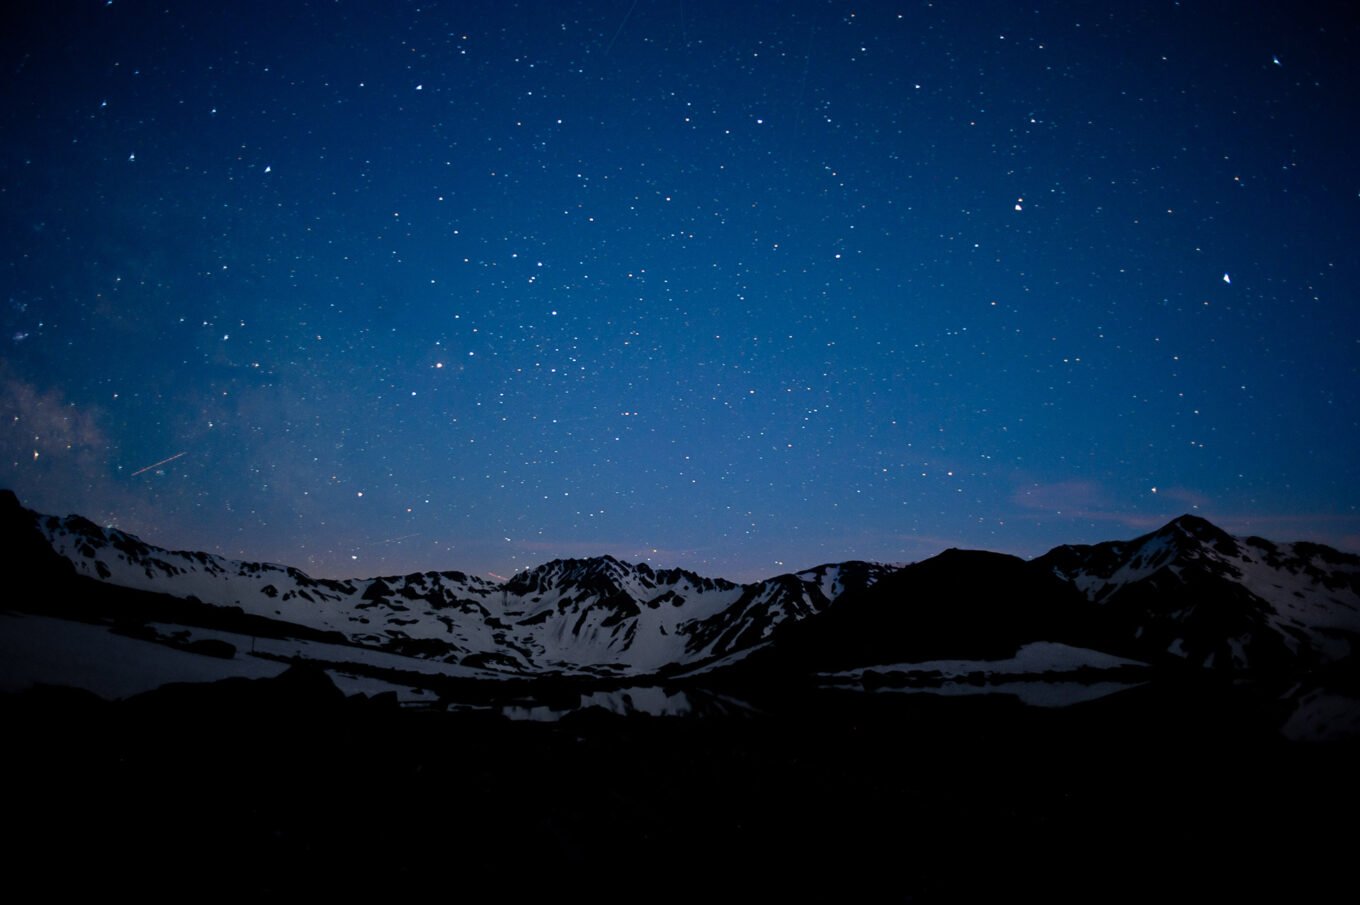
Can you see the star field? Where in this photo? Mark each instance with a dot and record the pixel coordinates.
(742, 288)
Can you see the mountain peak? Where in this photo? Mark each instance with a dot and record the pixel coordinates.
(1189, 522)
(600, 572)
(1198, 530)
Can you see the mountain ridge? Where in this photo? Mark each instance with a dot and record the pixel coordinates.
(1187, 593)
(598, 616)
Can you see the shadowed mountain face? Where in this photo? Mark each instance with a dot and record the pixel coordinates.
(1191, 591)
(962, 604)
(1188, 593)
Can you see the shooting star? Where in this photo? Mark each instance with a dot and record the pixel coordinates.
(158, 464)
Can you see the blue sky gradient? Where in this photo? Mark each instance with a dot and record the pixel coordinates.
(736, 287)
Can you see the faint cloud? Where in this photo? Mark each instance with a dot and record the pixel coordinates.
(55, 455)
(1088, 501)
(43, 422)
(52, 451)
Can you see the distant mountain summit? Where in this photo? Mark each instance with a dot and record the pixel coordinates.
(1190, 590)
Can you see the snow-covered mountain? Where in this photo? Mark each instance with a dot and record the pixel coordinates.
(595, 616)
(1193, 591)
(1187, 593)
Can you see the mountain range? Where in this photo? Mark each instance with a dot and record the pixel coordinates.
(1128, 717)
(1187, 595)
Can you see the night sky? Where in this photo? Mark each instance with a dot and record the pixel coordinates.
(371, 288)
